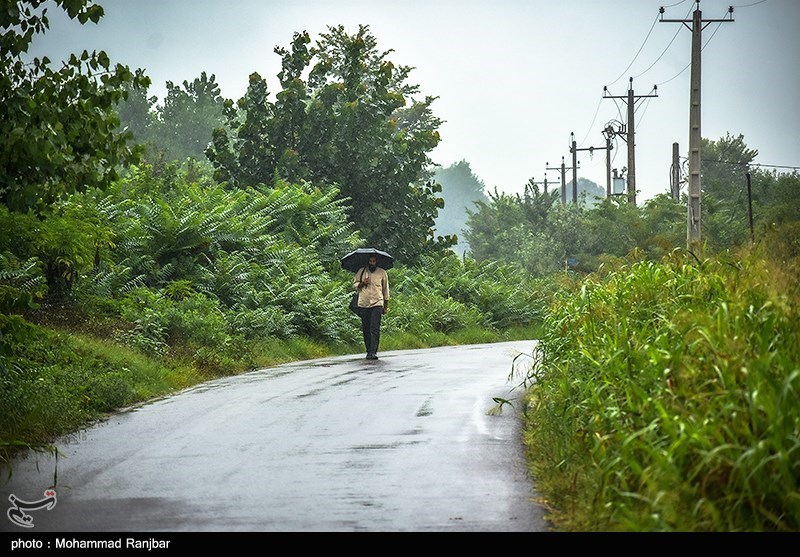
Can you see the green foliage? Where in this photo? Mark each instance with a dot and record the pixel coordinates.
(70, 241)
(666, 395)
(51, 384)
(487, 294)
(22, 283)
(530, 231)
(309, 131)
(58, 127)
(421, 313)
(181, 127)
(255, 260)
(542, 236)
(724, 165)
(138, 115)
(189, 116)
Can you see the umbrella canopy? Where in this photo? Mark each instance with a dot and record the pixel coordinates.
(354, 260)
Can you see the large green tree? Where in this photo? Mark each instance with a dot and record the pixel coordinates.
(179, 128)
(189, 116)
(725, 163)
(346, 117)
(724, 182)
(138, 115)
(58, 128)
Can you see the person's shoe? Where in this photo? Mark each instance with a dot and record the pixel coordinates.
(372, 357)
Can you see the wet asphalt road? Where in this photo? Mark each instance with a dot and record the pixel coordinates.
(403, 444)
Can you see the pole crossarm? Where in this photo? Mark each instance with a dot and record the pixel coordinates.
(688, 22)
(542, 183)
(590, 149)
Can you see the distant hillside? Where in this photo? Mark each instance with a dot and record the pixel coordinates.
(594, 194)
(461, 188)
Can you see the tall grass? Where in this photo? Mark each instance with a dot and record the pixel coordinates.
(666, 397)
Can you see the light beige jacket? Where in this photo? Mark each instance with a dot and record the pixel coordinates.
(376, 292)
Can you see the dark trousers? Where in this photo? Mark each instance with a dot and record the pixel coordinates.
(371, 327)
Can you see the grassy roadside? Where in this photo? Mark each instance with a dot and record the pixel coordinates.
(668, 398)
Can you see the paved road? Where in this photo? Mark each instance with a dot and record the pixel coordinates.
(404, 444)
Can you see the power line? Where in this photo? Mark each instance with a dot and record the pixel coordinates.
(666, 48)
(702, 48)
(748, 5)
(637, 53)
(793, 167)
(644, 111)
(660, 56)
(593, 119)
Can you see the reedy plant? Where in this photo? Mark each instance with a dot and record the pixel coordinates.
(666, 396)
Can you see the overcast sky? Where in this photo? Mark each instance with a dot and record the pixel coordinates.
(514, 78)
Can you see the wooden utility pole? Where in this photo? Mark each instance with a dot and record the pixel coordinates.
(563, 170)
(630, 99)
(693, 220)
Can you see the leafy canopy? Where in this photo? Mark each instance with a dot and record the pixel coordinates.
(58, 129)
(346, 117)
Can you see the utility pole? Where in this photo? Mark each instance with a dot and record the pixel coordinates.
(695, 138)
(675, 173)
(750, 209)
(630, 99)
(608, 133)
(591, 150)
(573, 149)
(563, 170)
(544, 183)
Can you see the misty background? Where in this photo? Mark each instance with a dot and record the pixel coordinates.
(513, 79)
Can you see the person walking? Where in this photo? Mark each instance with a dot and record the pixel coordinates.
(372, 283)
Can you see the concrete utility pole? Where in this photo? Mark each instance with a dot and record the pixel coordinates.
(630, 99)
(544, 183)
(675, 173)
(608, 133)
(695, 138)
(573, 149)
(750, 209)
(563, 170)
(591, 150)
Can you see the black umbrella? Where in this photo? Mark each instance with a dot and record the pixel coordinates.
(354, 260)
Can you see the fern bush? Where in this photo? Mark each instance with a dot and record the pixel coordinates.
(261, 257)
(22, 283)
(502, 295)
(421, 313)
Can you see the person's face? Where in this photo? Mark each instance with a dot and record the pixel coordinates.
(373, 261)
